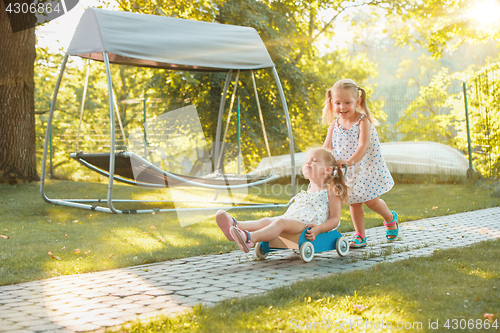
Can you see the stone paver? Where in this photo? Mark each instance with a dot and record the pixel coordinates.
(94, 301)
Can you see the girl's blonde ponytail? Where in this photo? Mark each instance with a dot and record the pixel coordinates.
(328, 115)
(364, 107)
(336, 179)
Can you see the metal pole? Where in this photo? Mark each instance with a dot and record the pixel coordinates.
(288, 125)
(145, 129)
(219, 121)
(471, 167)
(51, 153)
(112, 134)
(223, 141)
(49, 128)
(239, 141)
(51, 165)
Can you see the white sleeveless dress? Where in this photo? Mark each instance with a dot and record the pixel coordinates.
(309, 207)
(370, 177)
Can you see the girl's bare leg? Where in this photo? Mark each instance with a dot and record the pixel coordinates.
(358, 217)
(275, 228)
(256, 224)
(380, 207)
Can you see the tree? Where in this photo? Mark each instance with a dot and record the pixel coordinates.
(438, 25)
(291, 38)
(278, 31)
(483, 98)
(17, 111)
(428, 117)
(419, 71)
(291, 31)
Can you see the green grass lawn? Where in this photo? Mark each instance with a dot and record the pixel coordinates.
(47, 240)
(451, 289)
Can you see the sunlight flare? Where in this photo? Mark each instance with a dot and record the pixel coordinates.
(487, 12)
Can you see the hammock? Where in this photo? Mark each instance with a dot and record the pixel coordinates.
(135, 170)
(132, 169)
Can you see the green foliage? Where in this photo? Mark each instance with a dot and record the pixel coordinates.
(290, 31)
(47, 66)
(428, 117)
(484, 118)
(201, 10)
(440, 25)
(439, 115)
(419, 71)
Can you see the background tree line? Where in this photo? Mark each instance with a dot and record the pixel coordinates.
(294, 31)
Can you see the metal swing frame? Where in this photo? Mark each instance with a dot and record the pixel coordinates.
(91, 204)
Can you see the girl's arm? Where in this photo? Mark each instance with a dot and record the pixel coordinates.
(328, 140)
(363, 142)
(332, 222)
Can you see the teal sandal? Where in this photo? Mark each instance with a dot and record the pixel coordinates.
(355, 243)
(392, 234)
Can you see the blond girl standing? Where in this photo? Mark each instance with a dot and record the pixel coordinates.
(354, 142)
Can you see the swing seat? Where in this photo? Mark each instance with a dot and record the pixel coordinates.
(133, 169)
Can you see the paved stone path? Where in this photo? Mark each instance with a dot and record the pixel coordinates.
(94, 301)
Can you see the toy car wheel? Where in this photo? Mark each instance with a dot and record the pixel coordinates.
(306, 252)
(342, 246)
(259, 251)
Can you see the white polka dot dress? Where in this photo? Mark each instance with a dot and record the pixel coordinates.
(370, 177)
(309, 207)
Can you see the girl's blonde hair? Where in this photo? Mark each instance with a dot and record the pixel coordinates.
(336, 177)
(328, 114)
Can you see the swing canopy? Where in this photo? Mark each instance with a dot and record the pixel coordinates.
(141, 40)
(165, 42)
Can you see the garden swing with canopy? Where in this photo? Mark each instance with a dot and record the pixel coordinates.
(125, 38)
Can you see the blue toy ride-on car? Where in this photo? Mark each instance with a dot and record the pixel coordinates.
(326, 241)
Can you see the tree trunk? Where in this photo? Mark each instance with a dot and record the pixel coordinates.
(17, 105)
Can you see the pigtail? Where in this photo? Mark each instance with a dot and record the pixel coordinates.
(339, 185)
(328, 116)
(365, 109)
(335, 180)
